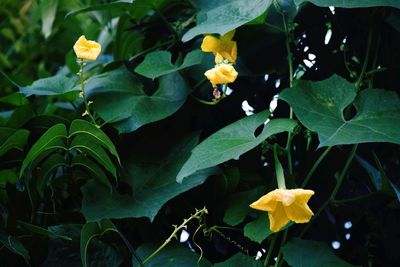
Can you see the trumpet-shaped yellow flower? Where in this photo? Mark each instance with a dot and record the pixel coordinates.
(223, 46)
(221, 74)
(285, 205)
(86, 49)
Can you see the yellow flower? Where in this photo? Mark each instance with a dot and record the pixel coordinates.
(221, 74)
(87, 49)
(285, 205)
(223, 46)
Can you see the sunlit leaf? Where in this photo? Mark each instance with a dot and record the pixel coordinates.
(351, 3)
(55, 85)
(233, 141)
(221, 16)
(319, 106)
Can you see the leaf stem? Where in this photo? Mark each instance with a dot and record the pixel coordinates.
(279, 261)
(335, 190)
(315, 166)
(365, 64)
(270, 249)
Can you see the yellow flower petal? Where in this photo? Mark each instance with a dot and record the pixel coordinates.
(299, 212)
(277, 219)
(285, 205)
(221, 74)
(210, 44)
(86, 49)
(223, 46)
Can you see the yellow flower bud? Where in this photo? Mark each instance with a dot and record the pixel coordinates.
(224, 46)
(221, 74)
(285, 205)
(86, 49)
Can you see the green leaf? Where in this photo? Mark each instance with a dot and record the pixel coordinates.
(14, 245)
(8, 176)
(55, 85)
(170, 256)
(158, 63)
(152, 179)
(319, 106)
(121, 100)
(351, 3)
(90, 231)
(239, 260)
(41, 231)
(81, 127)
(307, 253)
(48, 12)
(221, 16)
(258, 230)
(118, 6)
(85, 144)
(49, 165)
(16, 139)
(15, 99)
(95, 170)
(233, 141)
(238, 205)
(49, 140)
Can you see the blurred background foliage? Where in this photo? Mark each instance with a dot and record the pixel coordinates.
(59, 211)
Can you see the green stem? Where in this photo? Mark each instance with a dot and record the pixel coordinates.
(365, 64)
(270, 249)
(280, 178)
(279, 261)
(353, 199)
(335, 190)
(315, 166)
(288, 38)
(83, 94)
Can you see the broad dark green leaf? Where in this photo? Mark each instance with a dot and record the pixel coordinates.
(307, 253)
(238, 205)
(100, 253)
(351, 3)
(159, 63)
(14, 245)
(222, 16)
(97, 173)
(319, 106)
(52, 138)
(152, 179)
(121, 100)
(90, 231)
(239, 260)
(41, 231)
(10, 138)
(171, 256)
(81, 127)
(258, 230)
(233, 141)
(85, 144)
(56, 85)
